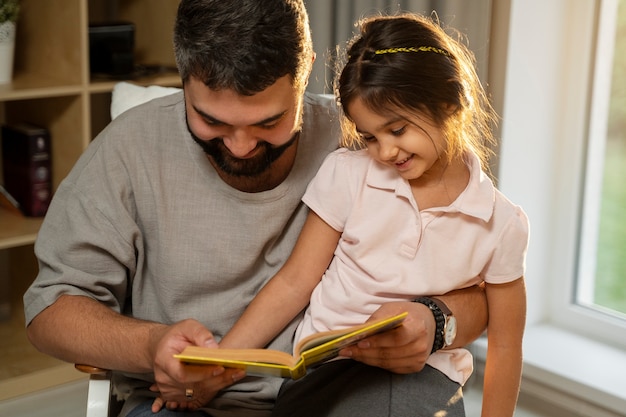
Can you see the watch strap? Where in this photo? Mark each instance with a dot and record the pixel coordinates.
(442, 306)
(440, 321)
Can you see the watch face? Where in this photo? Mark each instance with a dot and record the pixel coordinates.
(450, 332)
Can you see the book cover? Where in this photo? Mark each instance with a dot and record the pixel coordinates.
(27, 167)
(310, 352)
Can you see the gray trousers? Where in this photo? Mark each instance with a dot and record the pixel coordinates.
(347, 388)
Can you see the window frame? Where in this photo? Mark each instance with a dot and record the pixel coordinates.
(599, 100)
(547, 118)
(540, 78)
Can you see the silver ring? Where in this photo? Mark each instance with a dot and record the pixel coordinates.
(189, 393)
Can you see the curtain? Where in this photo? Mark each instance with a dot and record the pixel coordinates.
(333, 24)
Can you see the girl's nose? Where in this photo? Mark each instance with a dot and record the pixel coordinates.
(387, 151)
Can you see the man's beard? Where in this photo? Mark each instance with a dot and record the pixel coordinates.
(249, 167)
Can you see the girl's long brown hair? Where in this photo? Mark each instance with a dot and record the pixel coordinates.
(408, 63)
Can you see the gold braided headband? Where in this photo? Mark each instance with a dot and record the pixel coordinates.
(412, 49)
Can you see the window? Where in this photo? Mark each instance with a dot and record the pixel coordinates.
(601, 278)
(557, 88)
(546, 69)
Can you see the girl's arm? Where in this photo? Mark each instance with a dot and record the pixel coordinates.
(289, 291)
(503, 369)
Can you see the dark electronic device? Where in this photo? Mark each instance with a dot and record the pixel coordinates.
(112, 48)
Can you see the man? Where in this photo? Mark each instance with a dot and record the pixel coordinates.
(181, 210)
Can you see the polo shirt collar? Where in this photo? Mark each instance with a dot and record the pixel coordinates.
(477, 200)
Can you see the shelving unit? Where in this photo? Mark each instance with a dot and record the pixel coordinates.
(52, 87)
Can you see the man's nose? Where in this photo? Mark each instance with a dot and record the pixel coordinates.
(240, 143)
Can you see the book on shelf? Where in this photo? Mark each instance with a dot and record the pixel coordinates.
(27, 167)
(309, 352)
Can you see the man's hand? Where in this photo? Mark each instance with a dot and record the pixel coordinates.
(403, 350)
(181, 386)
(406, 349)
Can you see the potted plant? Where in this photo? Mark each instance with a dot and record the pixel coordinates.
(9, 11)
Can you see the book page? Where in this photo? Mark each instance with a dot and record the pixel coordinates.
(332, 341)
(216, 356)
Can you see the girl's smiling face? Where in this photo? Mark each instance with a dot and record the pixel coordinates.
(410, 143)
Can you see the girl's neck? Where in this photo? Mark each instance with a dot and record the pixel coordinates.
(442, 185)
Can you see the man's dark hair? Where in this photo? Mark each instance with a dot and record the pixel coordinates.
(243, 45)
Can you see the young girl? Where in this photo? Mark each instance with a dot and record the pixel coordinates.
(411, 212)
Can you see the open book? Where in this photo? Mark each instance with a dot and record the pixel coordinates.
(311, 351)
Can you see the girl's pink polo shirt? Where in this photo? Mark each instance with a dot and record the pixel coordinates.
(389, 250)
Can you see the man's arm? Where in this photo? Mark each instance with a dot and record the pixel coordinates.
(79, 329)
(406, 349)
(469, 307)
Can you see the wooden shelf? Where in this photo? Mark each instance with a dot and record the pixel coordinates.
(165, 79)
(17, 230)
(27, 89)
(52, 87)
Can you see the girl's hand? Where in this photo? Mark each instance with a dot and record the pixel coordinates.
(403, 350)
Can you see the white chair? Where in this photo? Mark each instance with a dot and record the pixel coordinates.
(99, 391)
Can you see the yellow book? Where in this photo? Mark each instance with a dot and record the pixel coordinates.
(311, 351)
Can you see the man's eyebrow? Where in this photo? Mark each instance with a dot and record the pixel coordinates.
(214, 120)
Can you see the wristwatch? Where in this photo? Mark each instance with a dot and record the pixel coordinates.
(445, 332)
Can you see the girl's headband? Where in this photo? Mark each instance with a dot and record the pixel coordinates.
(412, 49)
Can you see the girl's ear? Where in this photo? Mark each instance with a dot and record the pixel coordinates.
(449, 108)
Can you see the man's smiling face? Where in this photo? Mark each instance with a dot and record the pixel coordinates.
(243, 135)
